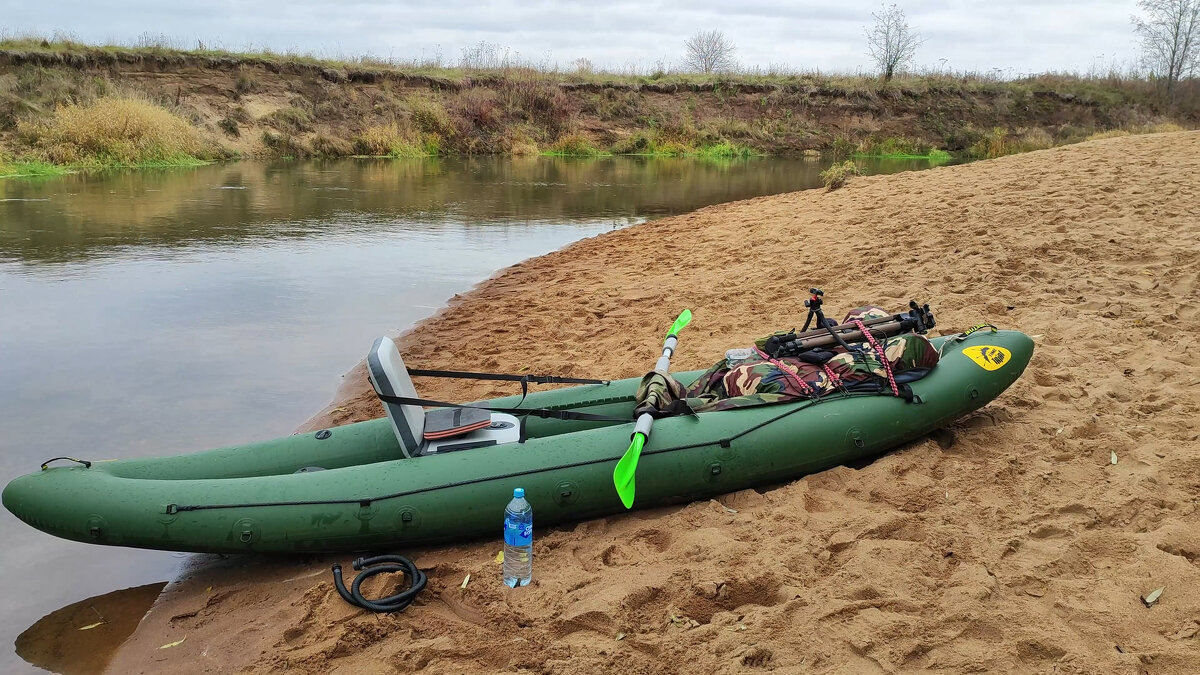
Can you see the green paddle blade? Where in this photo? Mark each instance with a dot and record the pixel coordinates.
(685, 317)
(626, 468)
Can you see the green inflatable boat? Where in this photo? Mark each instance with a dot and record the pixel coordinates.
(421, 476)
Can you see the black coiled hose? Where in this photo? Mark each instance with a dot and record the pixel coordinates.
(379, 565)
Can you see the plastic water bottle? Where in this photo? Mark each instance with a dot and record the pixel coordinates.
(736, 357)
(518, 541)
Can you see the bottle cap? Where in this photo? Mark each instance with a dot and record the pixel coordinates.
(519, 493)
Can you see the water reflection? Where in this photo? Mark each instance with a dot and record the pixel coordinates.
(81, 638)
(82, 216)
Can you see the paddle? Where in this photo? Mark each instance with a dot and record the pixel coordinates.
(627, 466)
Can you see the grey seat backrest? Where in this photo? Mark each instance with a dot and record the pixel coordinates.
(390, 377)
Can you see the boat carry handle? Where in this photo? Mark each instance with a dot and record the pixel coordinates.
(86, 464)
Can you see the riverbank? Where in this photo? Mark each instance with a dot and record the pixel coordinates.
(271, 105)
(1010, 542)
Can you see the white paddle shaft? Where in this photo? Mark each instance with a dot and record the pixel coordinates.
(645, 421)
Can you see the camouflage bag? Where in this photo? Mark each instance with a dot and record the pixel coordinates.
(660, 396)
(872, 365)
(895, 361)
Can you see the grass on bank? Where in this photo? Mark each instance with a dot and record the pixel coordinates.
(115, 131)
(390, 140)
(653, 142)
(898, 148)
(29, 169)
(999, 142)
(574, 145)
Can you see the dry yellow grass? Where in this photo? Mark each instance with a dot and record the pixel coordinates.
(116, 131)
(1161, 128)
(395, 141)
(1000, 142)
(1111, 133)
(1158, 128)
(378, 140)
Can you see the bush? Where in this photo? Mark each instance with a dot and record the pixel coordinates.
(842, 146)
(330, 146)
(429, 117)
(229, 126)
(244, 85)
(638, 143)
(477, 108)
(377, 140)
(292, 120)
(726, 150)
(991, 144)
(836, 176)
(116, 131)
(516, 141)
(528, 95)
(389, 140)
(574, 144)
(999, 142)
(894, 147)
(284, 144)
(522, 147)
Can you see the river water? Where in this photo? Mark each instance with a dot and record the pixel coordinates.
(161, 312)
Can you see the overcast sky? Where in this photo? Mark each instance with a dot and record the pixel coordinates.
(1016, 36)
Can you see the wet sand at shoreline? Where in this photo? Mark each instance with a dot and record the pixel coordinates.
(1008, 542)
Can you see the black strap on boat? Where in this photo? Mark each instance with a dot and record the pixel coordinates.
(525, 380)
(536, 412)
(964, 335)
(86, 464)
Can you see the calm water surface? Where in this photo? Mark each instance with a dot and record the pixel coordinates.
(150, 313)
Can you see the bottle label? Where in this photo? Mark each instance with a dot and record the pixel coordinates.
(517, 533)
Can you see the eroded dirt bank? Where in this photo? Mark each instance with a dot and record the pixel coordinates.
(294, 108)
(1009, 543)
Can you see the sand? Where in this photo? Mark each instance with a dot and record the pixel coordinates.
(1008, 542)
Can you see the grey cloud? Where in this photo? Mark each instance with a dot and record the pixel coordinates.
(1019, 35)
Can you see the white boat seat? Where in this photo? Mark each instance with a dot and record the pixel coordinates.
(389, 377)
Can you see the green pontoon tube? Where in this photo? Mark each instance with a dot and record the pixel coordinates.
(384, 483)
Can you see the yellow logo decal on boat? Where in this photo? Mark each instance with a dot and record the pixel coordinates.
(987, 356)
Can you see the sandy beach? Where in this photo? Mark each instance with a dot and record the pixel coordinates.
(1009, 542)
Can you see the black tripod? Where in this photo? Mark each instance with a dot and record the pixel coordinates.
(814, 311)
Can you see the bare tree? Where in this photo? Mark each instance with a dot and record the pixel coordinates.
(1170, 36)
(709, 51)
(891, 42)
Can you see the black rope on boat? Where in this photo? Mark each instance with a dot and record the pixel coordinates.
(381, 564)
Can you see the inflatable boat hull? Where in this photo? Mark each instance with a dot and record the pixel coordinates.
(268, 497)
